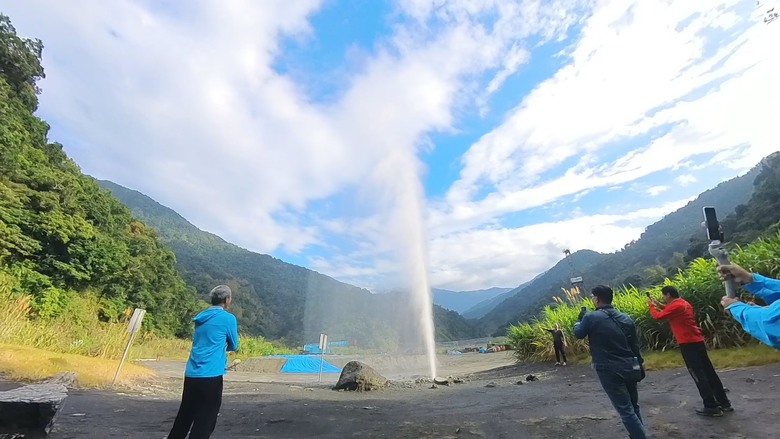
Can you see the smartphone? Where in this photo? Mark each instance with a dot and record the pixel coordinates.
(583, 309)
(712, 225)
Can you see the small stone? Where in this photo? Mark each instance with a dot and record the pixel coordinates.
(490, 385)
(520, 382)
(531, 378)
(750, 380)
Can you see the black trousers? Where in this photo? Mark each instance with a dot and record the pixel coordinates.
(700, 367)
(559, 352)
(200, 403)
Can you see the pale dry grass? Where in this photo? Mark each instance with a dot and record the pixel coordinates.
(24, 363)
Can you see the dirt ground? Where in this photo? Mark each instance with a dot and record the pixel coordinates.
(566, 402)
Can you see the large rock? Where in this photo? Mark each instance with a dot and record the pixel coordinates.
(31, 409)
(361, 377)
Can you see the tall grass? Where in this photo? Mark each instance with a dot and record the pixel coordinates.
(79, 331)
(698, 284)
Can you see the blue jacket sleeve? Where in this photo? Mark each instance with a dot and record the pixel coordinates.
(232, 336)
(766, 288)
(582, 327)
(762, 322)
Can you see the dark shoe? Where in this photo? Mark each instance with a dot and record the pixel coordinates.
(713, 412)
(726, 408)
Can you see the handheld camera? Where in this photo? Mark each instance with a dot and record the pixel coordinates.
(716, 249)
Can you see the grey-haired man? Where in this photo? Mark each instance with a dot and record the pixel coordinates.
(215, 330)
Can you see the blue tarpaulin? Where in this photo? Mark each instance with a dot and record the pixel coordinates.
(306, 364)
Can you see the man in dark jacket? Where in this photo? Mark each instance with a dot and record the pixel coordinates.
(559, 343)
(215, 332)
(614, 350)
(680, 315)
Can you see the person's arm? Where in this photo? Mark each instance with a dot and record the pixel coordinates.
(762, 322)
(232, 336)
(582, 327)
(670, 310)
(766, 288)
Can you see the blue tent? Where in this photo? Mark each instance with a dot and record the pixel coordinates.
(306, 364)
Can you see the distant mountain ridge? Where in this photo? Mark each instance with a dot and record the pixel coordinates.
(278, 300)
(480, 309)
(660, 250)
(461, 301)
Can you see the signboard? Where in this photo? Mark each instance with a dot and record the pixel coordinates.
(135, 320)
(575, 280)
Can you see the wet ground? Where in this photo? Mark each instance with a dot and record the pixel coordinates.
(566, 402)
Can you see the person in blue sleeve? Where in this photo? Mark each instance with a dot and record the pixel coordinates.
(615, 355)
(215, 332)
(762, 322)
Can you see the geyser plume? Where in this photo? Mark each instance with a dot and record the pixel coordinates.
(399, 192)
(407, 227)
(392, 235)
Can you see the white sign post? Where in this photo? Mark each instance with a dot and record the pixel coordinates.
(323, 346)
(132, 327)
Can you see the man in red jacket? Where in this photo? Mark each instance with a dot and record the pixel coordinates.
(680, 315)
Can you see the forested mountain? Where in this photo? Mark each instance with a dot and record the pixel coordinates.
(276, 299)
(659, 252)
(484, 307)
(461, 301)
(61, 235)
(755, 218)
(525, 301)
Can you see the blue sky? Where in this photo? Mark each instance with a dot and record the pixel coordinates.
(475, 138)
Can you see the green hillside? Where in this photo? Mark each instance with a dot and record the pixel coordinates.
(659, 252)
(61, 236)
(277, 299)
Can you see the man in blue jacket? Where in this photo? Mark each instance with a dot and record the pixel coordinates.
(762, 322)
(215, 331)
(614, 350)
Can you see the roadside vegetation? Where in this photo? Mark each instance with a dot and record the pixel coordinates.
(698, 283)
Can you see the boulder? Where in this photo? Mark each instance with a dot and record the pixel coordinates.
(31, 409)
(361, 377)
(441, 381)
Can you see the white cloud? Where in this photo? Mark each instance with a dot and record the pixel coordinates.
(656, 190)
(635, 69)
(685, 179)
(186, 106)
(511, 256)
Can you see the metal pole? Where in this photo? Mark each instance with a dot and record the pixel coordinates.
(124, 355)
(322, 360)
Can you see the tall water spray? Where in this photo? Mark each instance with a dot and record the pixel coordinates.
(407, 229)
